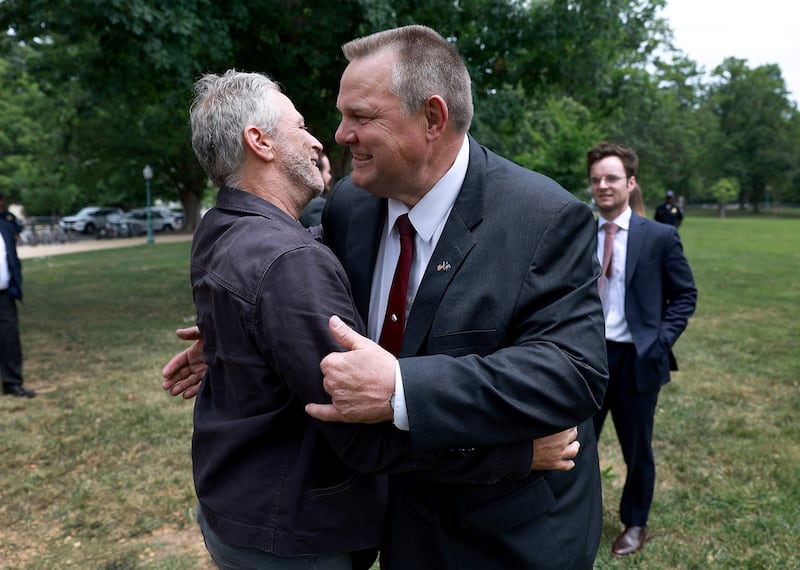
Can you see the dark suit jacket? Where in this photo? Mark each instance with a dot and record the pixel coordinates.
(504, 343)
(9, 231)
(660, 296)
(312, 213)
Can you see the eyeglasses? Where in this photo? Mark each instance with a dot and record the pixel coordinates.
(610, 179)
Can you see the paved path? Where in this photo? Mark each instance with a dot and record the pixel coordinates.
(30, 251)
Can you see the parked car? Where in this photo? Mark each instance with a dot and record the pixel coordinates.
(117, 226)
(163, 220)
(178, 213)
(88, 219)
(177, 217)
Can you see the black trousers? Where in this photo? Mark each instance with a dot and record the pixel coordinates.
(10, 345)
(633, 414)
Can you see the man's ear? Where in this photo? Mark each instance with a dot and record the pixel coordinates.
(259, 143)
(436, 115)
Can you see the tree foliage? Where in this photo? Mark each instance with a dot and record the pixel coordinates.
(756, 126)
(95, 89)
(724, 191)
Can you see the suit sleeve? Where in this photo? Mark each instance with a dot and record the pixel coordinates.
(546, 369)
(680, 293)
(309, 286)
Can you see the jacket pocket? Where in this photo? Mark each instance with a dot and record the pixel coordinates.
(512, 510)
(480, 341)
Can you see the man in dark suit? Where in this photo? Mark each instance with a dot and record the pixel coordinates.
(648, 295)
(503, 338)
(10, 293)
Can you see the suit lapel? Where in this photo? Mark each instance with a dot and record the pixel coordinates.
(454, 246)
(451, 251)
(635, 242)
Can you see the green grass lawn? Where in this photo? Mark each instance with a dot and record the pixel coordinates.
(96, 470)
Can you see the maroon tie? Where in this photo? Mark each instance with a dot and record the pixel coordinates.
(608, 248)
(395, 321)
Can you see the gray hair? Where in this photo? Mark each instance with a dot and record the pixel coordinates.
(427, 64)
(222, 107)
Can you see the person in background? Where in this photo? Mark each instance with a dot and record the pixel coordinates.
(668, 212)
(277, 489)
(10, 293)
(501, 336)
(637, 200)
(312, 214)
(648, 294)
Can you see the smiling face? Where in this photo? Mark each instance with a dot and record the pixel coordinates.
(388, 145)
(610, 186)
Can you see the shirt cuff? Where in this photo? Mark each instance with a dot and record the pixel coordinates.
(400, 410)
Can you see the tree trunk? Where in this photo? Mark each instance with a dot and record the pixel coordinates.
(191, 211)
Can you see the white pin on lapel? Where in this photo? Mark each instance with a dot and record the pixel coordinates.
(443, 266)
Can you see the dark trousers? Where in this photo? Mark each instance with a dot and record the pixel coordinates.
(633, 413)
(10, 346)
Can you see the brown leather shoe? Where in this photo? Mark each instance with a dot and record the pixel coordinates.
(631, 540)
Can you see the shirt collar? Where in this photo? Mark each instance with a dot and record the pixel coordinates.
(623, 220)
(434, 207)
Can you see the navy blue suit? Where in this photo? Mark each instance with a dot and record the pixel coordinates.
(660, 296)
(504, 342)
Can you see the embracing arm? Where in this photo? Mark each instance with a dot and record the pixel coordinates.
(184, 372)
(367, 400)
(546, 371)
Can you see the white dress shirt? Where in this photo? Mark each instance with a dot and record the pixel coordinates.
(5, 274)
(428, 216)
(613, 293)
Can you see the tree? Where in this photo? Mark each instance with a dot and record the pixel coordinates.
(551, 136)
(123, 74)
(756, 123)
(724, 191)
(108, 86)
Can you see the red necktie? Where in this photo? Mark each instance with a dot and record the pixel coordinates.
(395, 321)
(608, 248)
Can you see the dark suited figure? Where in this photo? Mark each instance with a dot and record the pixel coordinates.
(503, 330)
(668, 212)
(10, 293)
(648, 295)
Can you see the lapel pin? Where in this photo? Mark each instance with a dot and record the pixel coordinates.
(443, 266)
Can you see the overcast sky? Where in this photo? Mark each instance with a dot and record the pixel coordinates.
(761, 32)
